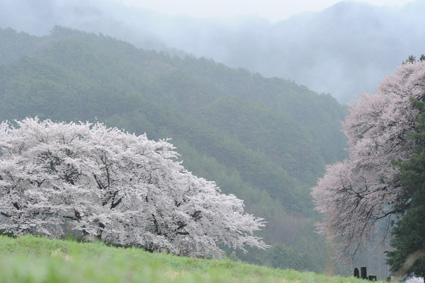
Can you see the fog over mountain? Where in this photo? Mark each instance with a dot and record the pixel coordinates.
(342, 50)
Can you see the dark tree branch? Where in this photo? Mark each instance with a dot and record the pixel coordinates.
(196, 215)
(15, 204)
(115, 204)
(5, 214)
(99, 184)
(77, 215)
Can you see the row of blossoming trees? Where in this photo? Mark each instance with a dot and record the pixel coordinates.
(116, 186)
(356, 193)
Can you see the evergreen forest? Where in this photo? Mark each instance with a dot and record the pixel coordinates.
(266, 140)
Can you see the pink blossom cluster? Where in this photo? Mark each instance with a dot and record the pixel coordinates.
(356, 193)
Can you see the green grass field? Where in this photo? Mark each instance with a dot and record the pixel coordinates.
(34, 259)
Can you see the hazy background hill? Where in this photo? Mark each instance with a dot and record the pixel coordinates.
(265, 140)
(342, 50)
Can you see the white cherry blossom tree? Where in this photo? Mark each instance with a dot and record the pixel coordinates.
(355, 193)
(119, 187)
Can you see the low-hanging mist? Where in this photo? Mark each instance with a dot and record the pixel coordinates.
(343, 50)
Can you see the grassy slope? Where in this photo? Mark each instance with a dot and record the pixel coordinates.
(32, 259)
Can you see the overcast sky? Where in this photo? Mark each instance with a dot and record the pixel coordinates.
(273, 10)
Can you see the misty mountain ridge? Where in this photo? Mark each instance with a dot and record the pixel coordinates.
(343, 50)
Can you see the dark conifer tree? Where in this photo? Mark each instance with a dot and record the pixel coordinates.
(408, 242)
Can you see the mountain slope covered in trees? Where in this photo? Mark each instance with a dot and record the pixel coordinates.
(264, 140)
(342, 50)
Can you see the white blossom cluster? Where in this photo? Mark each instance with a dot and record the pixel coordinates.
(62, 178)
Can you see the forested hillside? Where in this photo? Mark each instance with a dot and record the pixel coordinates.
(342, 50)
(264, 140)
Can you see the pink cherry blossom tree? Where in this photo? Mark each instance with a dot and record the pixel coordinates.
(356, 193)
(119, 187)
